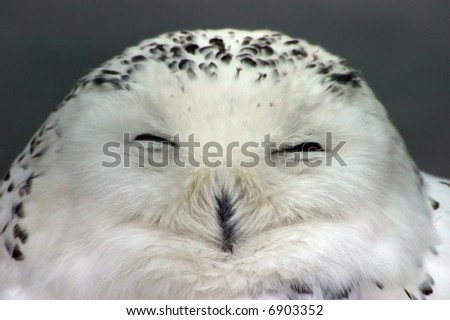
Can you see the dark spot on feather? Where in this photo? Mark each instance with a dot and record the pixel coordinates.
(341, 294)
(346, 78)
(426, 288)
(184, 63)
(289, 42)
(262, 76)
(217, 42)
(379, 285)
(138, 58)
(434, 204)
(299, 52)
(246, 41)
(172, 65)
(301, 289)
(249, 61)
(112, 72)
(7, 176)
(191, 48)
(410, 295)
(262, 62)
(323, 69)
(17, 254)
(226, 58)
(25, 189)
(267, 50)
(40, 153)
(113, 81)
(18, 232)
(18, 210)
(176, 51)
(10, 187)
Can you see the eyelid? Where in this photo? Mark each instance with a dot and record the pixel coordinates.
(304, 147)
(152, 138)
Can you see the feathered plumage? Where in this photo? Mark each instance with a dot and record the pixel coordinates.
(334, 209)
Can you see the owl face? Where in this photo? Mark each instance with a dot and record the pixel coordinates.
(272, 129)
(195, 164)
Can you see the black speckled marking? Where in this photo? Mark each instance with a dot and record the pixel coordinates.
(226, 58)
(17, 254)
(261, 76)
(247, 40)
(191, 48)
(351, 78)
(113, 81)
(176, 50)
(267, 50)
(10, 187)
(25, 188)
(337, 295)
(17, 210)
(299, 52)
(110, 72)
(39, 154)
(218, 43)
(185, 64)
(7, 176)
(301, 288)
(324, 69)
(249, 61)
(290, 42)
(426, 288)
(138, 58)
(20, 233)
(434, 204)
(410, 295)
(379, 285)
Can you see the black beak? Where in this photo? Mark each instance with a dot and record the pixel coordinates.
(225, 211)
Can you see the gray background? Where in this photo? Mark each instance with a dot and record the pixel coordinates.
(402, 48)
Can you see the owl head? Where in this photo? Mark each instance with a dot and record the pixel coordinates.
(229, 152)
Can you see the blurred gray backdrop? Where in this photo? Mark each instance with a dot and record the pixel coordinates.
(402, 48)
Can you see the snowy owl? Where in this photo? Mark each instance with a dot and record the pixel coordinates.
(222, 164)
